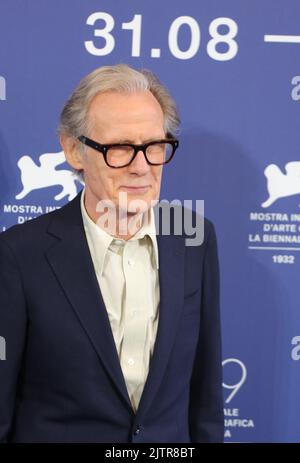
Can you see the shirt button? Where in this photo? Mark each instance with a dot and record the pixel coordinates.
(130, 361)
(130, 262)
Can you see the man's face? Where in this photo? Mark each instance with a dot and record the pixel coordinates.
(132, 118)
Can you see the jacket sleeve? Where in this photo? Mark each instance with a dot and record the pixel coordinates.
(206, 413)
(12, 332)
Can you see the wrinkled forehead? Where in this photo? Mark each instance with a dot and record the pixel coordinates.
(126, 112)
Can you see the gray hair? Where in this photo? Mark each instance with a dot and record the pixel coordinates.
(74, 120)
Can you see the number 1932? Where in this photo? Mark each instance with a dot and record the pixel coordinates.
(283, 259)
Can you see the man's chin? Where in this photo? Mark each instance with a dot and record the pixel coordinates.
(136, 205)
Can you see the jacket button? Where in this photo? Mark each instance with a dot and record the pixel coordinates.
(137, 430)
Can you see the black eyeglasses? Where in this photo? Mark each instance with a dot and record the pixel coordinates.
(117, 155)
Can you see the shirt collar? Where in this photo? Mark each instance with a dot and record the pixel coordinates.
(99, 240)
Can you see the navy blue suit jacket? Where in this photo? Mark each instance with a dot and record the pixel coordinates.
(62, 380)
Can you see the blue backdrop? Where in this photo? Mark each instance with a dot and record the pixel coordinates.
(233, 68)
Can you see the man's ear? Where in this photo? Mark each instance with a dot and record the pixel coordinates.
(72, 153)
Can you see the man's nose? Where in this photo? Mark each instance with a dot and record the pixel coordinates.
(139, 165)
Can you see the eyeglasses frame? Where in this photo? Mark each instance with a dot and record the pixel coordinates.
(103, 148)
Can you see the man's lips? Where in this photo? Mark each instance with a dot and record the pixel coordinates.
(135, 189)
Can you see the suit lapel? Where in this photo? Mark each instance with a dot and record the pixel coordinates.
(171, 280)
(71, 262)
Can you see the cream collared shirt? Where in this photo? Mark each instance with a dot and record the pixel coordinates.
(127, 273)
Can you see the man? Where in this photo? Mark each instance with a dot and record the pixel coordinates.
(112, 327)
